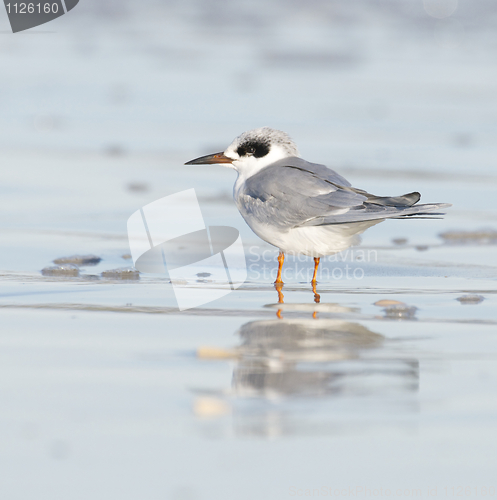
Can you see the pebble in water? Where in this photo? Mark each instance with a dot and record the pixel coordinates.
(481, 237)
(80, 260)
(395, 309)
(470, 299)
(400, 312)
(122, 273)
(388, 302)
(62, 270)
(138, 187)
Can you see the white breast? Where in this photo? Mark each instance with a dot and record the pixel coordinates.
(314, 241)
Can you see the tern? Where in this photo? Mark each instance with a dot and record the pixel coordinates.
(302, 207)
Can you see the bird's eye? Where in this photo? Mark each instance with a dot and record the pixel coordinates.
(253, 148)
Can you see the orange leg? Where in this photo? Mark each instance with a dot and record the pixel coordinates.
(316, 265)
(281, 259)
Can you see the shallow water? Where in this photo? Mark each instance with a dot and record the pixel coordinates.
(109, 391)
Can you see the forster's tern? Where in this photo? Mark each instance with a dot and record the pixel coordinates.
(302, 207)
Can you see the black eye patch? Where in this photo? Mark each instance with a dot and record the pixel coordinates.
(255, 148)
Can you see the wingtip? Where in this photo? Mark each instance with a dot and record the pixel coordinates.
(413, 197)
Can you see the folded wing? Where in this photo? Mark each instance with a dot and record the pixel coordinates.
(295, 193)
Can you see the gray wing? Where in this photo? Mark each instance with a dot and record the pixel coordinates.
(293, 192)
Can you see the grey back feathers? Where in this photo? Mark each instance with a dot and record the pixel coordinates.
(295, 193)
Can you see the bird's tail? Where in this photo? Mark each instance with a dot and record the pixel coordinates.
(406, 206)
(426, 211)
(374, 211)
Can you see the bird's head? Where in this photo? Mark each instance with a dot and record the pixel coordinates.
(252, 151)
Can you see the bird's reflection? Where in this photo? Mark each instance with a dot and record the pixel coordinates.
(279, 289)
(298, 356)
(308, 357)
(286, 362)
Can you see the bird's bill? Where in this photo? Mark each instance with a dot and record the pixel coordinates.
(210, 159)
